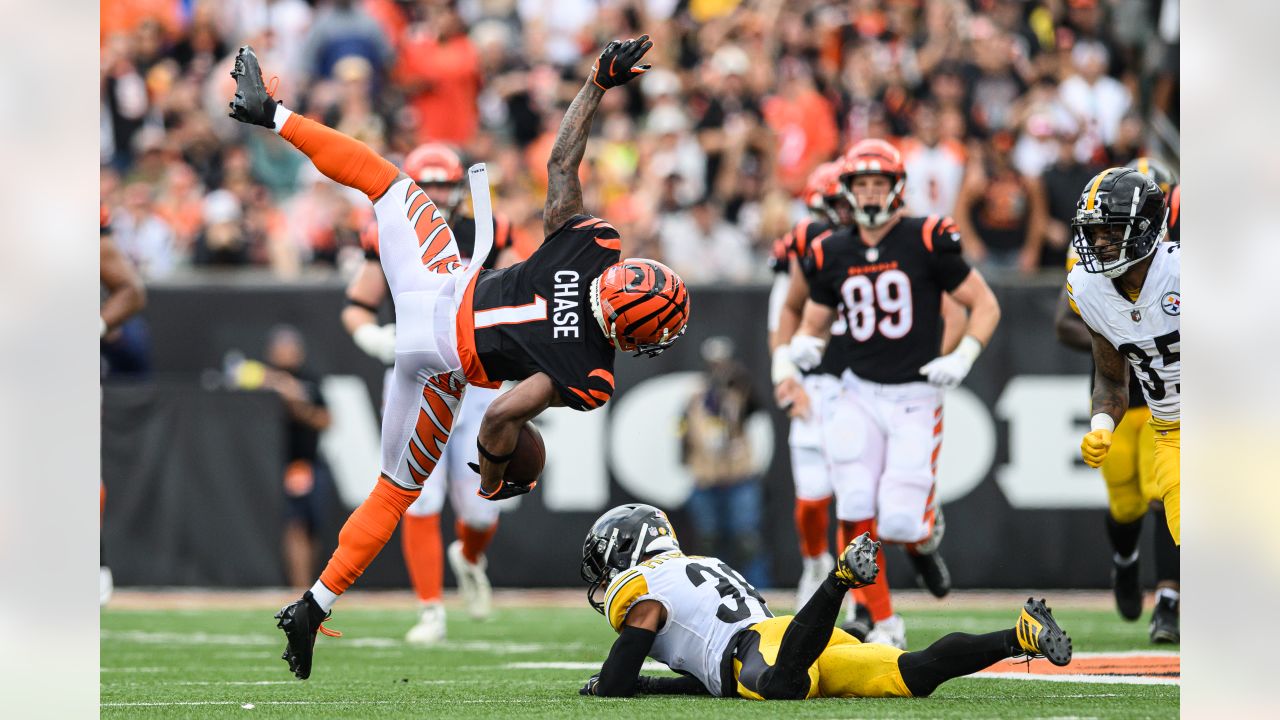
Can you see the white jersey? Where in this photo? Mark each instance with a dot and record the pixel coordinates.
(1146, 332)
(707, 603)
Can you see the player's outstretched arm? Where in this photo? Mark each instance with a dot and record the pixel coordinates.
(615, 66)
(1070, 327)
(620, 674)
(500, 428)
(126, 294)
(1110, 400)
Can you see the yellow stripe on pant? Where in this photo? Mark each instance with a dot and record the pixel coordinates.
(1129, 468)
(1168, 458)
(846, 668)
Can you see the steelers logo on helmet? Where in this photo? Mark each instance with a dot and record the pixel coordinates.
(619, 540)
(1120, 219)
(641, 305)
(873, 157)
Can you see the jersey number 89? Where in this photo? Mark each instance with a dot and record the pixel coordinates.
(891, 293)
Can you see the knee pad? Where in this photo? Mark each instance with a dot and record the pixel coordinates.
(899, 527)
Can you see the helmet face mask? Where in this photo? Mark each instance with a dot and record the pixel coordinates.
(1119, 221)
(619, 540)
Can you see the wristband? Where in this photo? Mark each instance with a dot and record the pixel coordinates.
(1102, 421)
(969, 348)
(783, 367)
(495, 459)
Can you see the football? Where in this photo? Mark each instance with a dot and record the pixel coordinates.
(530, 456)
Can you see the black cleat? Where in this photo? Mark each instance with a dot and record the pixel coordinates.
(1164, 621)
(932, 573)
(861, 623)
(1039, 635)
(1127, 586)
(300, 621)
(253, 103)
(856, 566)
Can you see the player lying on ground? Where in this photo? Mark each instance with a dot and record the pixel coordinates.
(703, 620)
(552, 322)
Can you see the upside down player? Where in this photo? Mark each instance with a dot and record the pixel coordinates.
(703, 620)
(1129, 472)
(552, 322)
(1127, 289)
(887, 276)
(438, 171)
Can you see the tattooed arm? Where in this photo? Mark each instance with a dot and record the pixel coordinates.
(1110, 379)
(564, 191)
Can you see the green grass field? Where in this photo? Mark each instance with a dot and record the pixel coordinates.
(219, 662)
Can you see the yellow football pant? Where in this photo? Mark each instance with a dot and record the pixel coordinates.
(1129, 468)
(847, 668)
(1168, 459)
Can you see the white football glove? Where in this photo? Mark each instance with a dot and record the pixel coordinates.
(950, 369)
(806, 351)
(378, 341)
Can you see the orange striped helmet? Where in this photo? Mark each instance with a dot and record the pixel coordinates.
(823, 186)
(874, 157)
(436, 164)
(641, 305)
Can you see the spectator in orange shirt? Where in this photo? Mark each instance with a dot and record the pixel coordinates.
(804, 122)
(440, 71)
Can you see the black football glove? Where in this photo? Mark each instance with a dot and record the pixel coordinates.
(617, 64)
(505, 490)
(590, 687)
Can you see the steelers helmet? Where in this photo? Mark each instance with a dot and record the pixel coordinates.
(618, 540)
(1120, 219)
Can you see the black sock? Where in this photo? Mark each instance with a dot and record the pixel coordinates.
(1124, 536)
(806, 636)
(1168, 558)
(953, 656)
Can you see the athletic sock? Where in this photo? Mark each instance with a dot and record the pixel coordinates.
(341, 158)
(953, 656)
(423, 555)
(1124, 536)
(813, 524)
(1167, 555)
(474, 540)
(875, 597)
(364, 534)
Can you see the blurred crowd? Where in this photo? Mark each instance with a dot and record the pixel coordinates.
(1002, 108)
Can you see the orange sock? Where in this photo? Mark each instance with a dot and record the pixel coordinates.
(424, 555)
(365, 532)
(874, 597)
(474, 541)
(341, 158)
(813, 523)
(102, 501)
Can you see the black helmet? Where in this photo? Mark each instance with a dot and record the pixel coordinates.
(1120, 218)
(618, 540)
(1165, 178)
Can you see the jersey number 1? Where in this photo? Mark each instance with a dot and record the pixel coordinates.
(513, 314)
(891, 293)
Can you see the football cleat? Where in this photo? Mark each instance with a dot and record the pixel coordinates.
(430, 628)
(253, 103)
(860, 625)
(300, 621)
(815, 571)
(1164, 621)
(473, 583)
(1126, 584)
(889, 631)
(1039, 635)
(856, 566)
(932, 573)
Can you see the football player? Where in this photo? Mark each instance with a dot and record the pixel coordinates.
(438, 171)
(123, 296)
(887, 276)
(553, 322)
(1129, 474)
(1126, 287)
(700, 617)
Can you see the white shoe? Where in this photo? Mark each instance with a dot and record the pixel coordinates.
(430, 628)
(106, 585)
(473, 584)
(890, 631)
(815, 571)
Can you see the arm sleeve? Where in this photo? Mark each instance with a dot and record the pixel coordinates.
(943, 240)
(620, 673)
(683, 685)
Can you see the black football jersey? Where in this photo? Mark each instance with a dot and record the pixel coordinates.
(890, 295)
(535, 316)
(797, 244)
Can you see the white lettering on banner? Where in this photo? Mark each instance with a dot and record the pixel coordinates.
(647, 464)
(351, 445)
(968, 444)
(1047, 415)
(574, 479)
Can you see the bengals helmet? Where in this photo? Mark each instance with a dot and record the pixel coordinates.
(822, 190)
(618, 540)
(1165, 178)
(436, 164)
(641, 305)
(1120, 219)
(873, 157)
